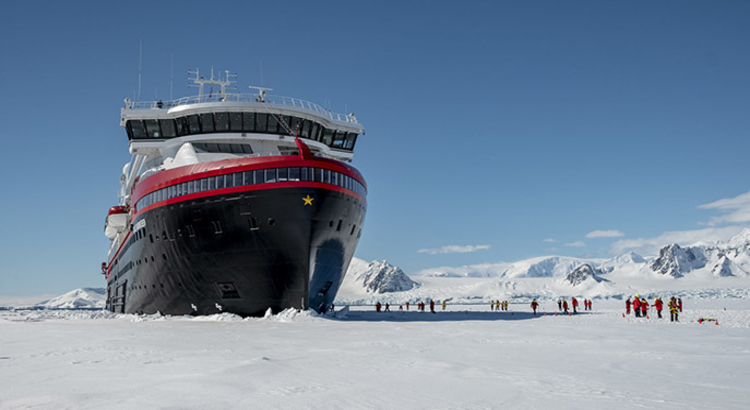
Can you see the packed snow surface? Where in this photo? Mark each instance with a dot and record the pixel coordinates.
(466, 357)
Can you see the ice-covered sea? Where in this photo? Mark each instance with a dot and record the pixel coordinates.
(464, 358)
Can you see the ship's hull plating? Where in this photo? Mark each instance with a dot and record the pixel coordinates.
(241, 253)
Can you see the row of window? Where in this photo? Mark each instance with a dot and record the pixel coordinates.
(258, 176)
(262, 123)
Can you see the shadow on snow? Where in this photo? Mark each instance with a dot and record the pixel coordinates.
(439, 316)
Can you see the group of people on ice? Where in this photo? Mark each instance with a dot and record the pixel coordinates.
(562, 305)
(420, 306)
(498, 305)
(640, 307)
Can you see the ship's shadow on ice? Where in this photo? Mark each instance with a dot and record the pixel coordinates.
(438, 316)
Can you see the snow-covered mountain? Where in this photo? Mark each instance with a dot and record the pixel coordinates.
(731, 258)
(700, 270)
(379, 277)
(77, 299)
(540, 267)
(583, 273)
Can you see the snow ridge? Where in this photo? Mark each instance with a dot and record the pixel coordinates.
(83, 298)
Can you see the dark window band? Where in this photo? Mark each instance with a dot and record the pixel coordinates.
(258, 176)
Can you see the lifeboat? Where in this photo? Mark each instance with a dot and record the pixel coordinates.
(116, 222)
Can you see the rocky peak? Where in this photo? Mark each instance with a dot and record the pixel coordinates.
(382, 277)
(581, 273)
(723, 268)
(675, 261)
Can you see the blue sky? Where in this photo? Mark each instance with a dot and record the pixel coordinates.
(496, 131)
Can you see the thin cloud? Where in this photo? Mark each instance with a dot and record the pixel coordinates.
(613, 233)
(455, 249)
(736, 210)
(576, 244)
(550, 240)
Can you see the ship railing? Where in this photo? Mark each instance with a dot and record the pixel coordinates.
(238, 97)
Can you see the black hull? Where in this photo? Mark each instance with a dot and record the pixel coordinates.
(240, 253)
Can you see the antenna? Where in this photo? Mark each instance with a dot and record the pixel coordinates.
(261, 73)
(224, 83)
(261, 93)
(140, 64)
(171, 76)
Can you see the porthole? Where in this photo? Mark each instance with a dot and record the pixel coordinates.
(271, 222)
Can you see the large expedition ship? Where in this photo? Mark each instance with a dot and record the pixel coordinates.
(233, 203)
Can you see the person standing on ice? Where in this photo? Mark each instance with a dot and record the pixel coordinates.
(378, 306)
(407, 305)
(627, 306)
(432, 306)
(565, 306)
(559, 305)
(574, 301)
(637, 305)
(534, 305)
(444, 304)
(658, 305)
(644, 308)
(673, 310)
(387, 307)
(679, 304)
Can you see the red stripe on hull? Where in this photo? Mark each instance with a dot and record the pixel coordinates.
(187, 173)
(246, 188)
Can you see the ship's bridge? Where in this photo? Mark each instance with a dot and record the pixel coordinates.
(256, 114)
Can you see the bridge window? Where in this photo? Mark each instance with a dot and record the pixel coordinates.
(328, 136)
(305, 133)
(152, 128)
(194, 123)
(338, 139)
(296, 126)
(222, 121)
(273, 125)
(261, 122)
(248, 122)
(314, 131)
(182, 126)
(235, 121)
(207, 122)
(136, 129)
(168, 128)
(351, 138)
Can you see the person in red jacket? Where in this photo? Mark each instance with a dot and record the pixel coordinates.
(565, 306)
(534, 305)
(432, 306)
(679, 304)
(644, 308)
(627, 306)
(658, 305)
(575, 304)
(637, 305)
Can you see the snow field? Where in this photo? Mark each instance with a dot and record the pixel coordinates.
(464, 358)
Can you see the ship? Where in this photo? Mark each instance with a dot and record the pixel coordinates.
(233, 202)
